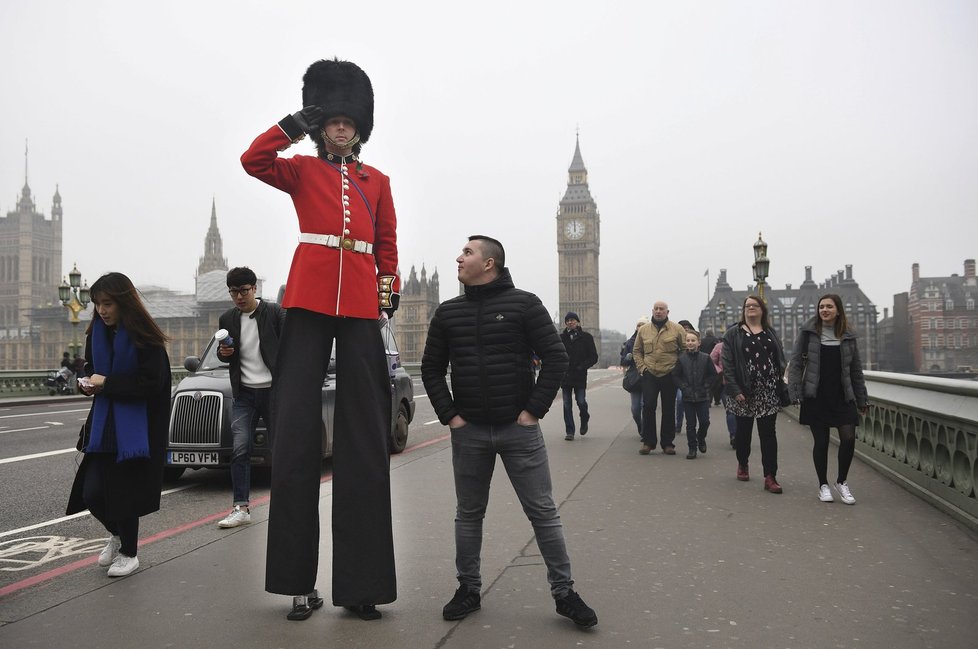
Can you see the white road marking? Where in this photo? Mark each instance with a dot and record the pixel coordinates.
(54, 423)
(39, 414)
(55, 521)
(20, 430)
(433, 421)
(33, 456)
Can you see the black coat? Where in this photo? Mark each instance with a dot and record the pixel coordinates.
(694, 375)
(734, 364)
(489, 336)
(271, 319)
(133, 487)
(581, 354)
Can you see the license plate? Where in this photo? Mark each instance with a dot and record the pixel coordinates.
(193, 457)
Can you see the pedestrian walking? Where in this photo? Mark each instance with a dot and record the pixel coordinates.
(581, 354)
(826, 375)
(124, 437)
(694, 376)
(753, 367)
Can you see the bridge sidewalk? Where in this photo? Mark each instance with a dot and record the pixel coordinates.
(670, 552)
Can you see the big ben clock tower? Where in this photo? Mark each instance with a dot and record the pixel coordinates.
(578, 243)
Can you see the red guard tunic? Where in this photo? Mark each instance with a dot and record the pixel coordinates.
(353, 204)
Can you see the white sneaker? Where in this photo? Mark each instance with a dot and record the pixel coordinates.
(844, 494)
(825, 494)
(123, 566)
(110, 551)
(238, 516)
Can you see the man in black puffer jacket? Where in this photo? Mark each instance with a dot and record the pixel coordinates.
(489, 336)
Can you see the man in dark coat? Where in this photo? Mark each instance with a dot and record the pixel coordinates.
(489, 336)
(581, 355)
(254, 326)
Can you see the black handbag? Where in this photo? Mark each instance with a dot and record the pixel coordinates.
(783, 397)
(632, 381)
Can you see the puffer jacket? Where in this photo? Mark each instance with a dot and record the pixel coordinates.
(735, 377)
(489, 336)
(803, 371)
(694, 375)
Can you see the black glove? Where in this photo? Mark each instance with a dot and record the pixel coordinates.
(395, 299)
(310, 118)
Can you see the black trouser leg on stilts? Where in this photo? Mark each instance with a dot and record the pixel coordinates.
(292, 554)
(363, 542)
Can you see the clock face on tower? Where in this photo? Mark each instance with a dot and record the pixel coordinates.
(574, 229)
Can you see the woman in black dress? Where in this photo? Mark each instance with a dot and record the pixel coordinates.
(826, 374)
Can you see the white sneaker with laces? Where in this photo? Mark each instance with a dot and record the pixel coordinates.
(825, 494)
(110, 551)
(123, 566)
(844, 494)
(238, 516)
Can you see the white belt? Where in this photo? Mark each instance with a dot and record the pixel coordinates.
(335, 241)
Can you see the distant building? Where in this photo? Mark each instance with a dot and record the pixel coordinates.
(894, 337)
(30, 259)
(578, 246)
(419, 299)
(789, 308)
(213, 258)
(943, 321)
(189, 320)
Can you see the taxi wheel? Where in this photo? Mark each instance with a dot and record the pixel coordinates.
(399, 433)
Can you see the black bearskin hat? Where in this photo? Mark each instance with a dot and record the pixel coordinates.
(342, 88)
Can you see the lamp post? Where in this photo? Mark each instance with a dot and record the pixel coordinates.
(761, 264)
(75, 298)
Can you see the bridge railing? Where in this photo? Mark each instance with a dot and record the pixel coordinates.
(31, 383)
(923, 433)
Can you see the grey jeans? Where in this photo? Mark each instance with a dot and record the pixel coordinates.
(524, 455)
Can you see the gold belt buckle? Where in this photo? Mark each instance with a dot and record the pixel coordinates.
(347, 244)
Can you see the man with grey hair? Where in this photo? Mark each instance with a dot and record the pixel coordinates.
(655, 353)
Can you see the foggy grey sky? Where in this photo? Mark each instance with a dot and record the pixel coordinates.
(845, 131)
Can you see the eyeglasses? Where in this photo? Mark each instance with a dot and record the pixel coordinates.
(241, 290)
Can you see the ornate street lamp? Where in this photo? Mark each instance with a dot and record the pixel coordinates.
(75, 297)
(761, 264)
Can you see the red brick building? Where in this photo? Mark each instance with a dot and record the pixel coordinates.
(944, 321)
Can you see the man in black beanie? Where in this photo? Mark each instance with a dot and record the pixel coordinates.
(582, 355)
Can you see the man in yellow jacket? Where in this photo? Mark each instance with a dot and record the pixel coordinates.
(657, 348)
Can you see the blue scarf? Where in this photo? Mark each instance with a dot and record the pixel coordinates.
(117, 357)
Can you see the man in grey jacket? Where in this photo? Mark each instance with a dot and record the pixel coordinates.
(489, 336)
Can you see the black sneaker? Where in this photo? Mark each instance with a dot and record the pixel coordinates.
(702, 447)
(584, 426)
(464, 602)
(571, 605)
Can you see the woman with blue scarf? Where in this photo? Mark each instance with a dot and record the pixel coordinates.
(124, 438)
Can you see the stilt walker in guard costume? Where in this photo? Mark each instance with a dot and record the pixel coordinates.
(343, 277)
